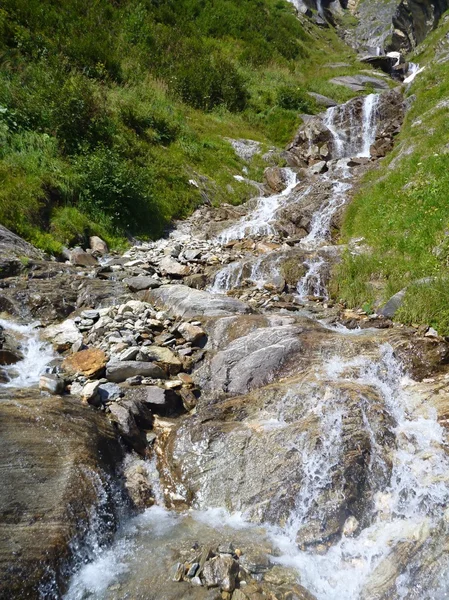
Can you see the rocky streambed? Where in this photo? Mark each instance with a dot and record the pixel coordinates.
(196, 419)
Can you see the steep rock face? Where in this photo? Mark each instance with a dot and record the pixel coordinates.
(254, 452)
(57, 460)
(413, 20)
(314, 140)
(14, 252)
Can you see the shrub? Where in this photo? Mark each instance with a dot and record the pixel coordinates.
(118, 192)
(206, 81)
(80, 115)
(294, 98)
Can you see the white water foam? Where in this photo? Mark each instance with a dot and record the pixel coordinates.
(370, 105)
(413, 71)
(350, 137)
(36, 355)
(259, 221)
(321, 220)
(407, 508)
(311, 284)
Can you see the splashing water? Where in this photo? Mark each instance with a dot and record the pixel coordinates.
(369, 124)
(413, 71)
(36, 355)
(322, 219)
(311, 284)
(350, 137)
(407, 508)
(227, 278)
(259, 221)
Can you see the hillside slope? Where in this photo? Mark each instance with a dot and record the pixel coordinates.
(109, 110)
(402, 209)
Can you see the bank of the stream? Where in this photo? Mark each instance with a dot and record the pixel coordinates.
(198, 418)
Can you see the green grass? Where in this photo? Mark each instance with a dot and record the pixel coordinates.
(402, 209)
(107, 110)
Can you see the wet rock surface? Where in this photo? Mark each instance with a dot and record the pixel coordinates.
(58, 459)
(215, 355)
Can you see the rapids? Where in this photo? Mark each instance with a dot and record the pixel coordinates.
(397, 542)
(36, 355)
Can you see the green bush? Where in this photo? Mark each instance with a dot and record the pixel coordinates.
(118, 192)
(205, 81)
(294, 98)
(80, 115)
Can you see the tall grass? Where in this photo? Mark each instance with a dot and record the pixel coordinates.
(108, 110)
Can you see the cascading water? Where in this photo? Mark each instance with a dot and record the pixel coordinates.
(413, 71)
(346, 145)
(311, 284)
(369, 124)
(408, 508)
(352, 135)
(36, 355)
(259, 221)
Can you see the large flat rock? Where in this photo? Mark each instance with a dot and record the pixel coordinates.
(182, 301)
(13, 251)
(56, 459)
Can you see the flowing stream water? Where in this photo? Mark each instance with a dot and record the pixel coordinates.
(410, 481)
(36, 354)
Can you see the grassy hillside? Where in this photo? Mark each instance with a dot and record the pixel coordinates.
(109, 108)
(402, 210)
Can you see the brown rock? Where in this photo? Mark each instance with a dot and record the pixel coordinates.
(57, 457)
(98, 245)
(90, 363)
(81, 258)
(275, 179)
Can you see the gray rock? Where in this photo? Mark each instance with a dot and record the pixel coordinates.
(90, 393)
(393, 304)
(51, 384)
(323, 100)
(164, 357)
(140, 283)
(182, 301)
(14, 251)
(160, 401)
(129, 353)
(63, 335)
(118, 371)
(90, 314)
(191, 333)
(245, 149)
(110, 392)
(127, 426)
(98, 245)
(172, 267)
(192, 254)
(53, 478)
(275, 178)
(81, 258)
(221, 571)
(250, 361)
(359, 83)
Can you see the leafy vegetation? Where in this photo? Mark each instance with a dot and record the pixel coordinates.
(109, 109)
(402, 210)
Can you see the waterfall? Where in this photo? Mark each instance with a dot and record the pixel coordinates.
(370, 104)
(36, 355)
(408, 506)
(351, 135)
(227, 278)
(259, 221)
(413, 71)
(311, 284)
(322, 219)
(331, 118)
